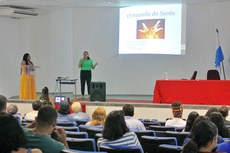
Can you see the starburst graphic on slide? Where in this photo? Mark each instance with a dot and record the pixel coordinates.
(150, 29)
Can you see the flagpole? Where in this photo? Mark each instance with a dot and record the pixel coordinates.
(222, 63)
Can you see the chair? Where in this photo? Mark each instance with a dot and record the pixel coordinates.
(69, 128)
(80, 122)
(164, 148)
(120, 149)
(147, 124)
(151, 144)
(142, 133)
(25, 122)
(66, 124)
(81, 144)
(213, 75)
(76, 134)
(78, 151)
(194, 75)
(180, 136)
(91, 130)
(162, 128)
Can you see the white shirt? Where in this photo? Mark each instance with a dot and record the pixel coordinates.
(177, 122)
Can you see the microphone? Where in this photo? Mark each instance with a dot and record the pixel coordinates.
(217, 31)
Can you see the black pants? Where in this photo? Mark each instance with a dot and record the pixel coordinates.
(85, 76)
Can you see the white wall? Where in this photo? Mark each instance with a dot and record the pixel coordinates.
(57, 39)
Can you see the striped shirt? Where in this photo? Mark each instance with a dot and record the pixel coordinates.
(128, 139)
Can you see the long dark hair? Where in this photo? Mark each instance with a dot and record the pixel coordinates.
(190, 120)
(204, 132)
(115, 126)
(25, 58)
(12, 136)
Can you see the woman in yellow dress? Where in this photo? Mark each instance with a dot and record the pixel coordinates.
(27, 79)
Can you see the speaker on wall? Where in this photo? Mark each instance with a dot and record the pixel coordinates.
(97, 91)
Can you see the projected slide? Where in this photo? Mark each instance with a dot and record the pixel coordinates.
(151, 30)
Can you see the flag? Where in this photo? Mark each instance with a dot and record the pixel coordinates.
(219, 56)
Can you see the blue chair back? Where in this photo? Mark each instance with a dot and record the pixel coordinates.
(151, 144)
(81, 144)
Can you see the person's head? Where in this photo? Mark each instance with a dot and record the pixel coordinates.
(204, 137)
(76, 107)
(3, 102)
(36, 105)
(128, 110)
(218, 120)
(26, 58)
(115, 126)
(98, 117)
(45, 91)
(64, 108)
(224, 111)
(190, 120)
(197, 120)
(12, 109)
(177, 109)
(210, 110)
(46, 118)
(12, 136)
(86, 55)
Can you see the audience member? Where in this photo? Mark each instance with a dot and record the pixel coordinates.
(12, 139)
(190, 120)
(98, 117)
(45, 96)
(218, 120)
(224, 111)
(204, 138)
(13, 110)
(116, 133)
(33, 114)
(132, 124)
(177, 121)
(39, 137)
(63, 112)
(196, 122)
(3, 102)
(210, 110)
(78, 114)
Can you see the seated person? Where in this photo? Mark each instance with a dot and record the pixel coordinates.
(39, 137)
(116, 133)
(13, 110)
(78, 114)
(204, 138)
(177, 121)
(218, 120)
(98, 117)
(33, 114)
(45, 96)
(132, 123)
(224, 111)
(12, 139)
(190, 120)
(199, 119)
(63, 112)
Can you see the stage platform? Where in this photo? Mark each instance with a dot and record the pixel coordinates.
(143, 108)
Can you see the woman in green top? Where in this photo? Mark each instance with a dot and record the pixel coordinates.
(86, 64)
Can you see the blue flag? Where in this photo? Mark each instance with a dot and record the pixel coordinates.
(219, 56)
